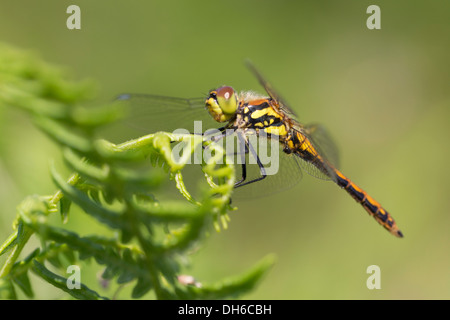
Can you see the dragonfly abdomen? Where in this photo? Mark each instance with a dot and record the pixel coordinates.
(372, 207)
(301, 146)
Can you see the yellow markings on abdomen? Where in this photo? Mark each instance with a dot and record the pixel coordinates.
(305, 145)
(373, 207)
(276, 130)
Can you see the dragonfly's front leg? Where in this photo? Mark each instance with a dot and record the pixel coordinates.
(243, 166)
(248, 147)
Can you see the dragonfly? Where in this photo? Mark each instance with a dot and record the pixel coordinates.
(248, 113)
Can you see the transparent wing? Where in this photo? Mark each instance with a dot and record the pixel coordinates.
(151, 113)
(316, 134)
(313, 170)
(322, 143)
(279, 102)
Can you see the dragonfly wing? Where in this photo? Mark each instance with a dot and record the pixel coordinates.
(316, 134)
(151, 113)
(278, 101)
(323, 145)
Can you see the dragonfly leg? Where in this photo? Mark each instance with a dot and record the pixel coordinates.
(244, 167)
(215, 138)
(243, 177)
(262, 170)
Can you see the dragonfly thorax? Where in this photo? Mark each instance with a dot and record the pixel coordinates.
(259, 114)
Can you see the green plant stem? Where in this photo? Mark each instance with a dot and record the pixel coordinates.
(8, 242)
(73, 180)
(15, 252)
(23, 238)
(148, 259)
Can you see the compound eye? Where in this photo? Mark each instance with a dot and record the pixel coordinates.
(225, 92)
(227, 99)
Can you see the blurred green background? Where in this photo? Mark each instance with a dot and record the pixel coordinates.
(383, 94)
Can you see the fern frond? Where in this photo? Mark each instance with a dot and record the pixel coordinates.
(116, 185)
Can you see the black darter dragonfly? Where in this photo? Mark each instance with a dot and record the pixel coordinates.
(245, 112)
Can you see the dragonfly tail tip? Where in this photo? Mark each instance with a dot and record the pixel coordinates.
(399, 234)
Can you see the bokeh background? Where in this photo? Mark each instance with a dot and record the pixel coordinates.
(384, 95)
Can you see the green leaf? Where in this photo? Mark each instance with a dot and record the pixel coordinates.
(233, 286)
(64, 205)
(60, 282)
(142, 287)
(107, 216)
(115, 184)
(110, 272)
(84, 168)
(97, 116)
(7, 291)
(9, 243)
(23, 281)
(126, 276)
(70, 256)
(64, 135)
(54, 260)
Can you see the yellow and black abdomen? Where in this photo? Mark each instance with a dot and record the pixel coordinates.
(260, 115)
(372, 207)
(303, 148)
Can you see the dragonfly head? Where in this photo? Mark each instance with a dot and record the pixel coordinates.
(222, 103)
